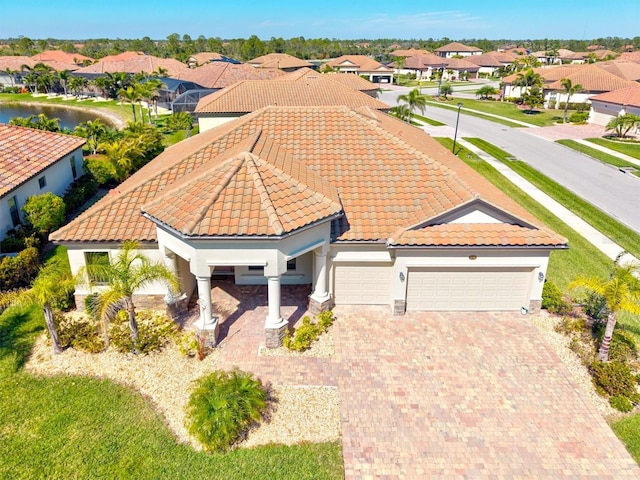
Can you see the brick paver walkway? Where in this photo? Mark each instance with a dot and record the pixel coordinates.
(432, 395)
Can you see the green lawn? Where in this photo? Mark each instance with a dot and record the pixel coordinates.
(628, 430)
(508, 110)
(428, 121)
(66, 427)
(597, 154)
(628, 148)
(122, 111)
(582, 258)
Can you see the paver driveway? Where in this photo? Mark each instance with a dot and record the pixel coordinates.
(475, 395)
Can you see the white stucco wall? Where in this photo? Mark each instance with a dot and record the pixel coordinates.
(58, 177)
(207, 123)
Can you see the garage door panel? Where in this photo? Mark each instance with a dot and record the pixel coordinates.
(362, 284)
(468, 289)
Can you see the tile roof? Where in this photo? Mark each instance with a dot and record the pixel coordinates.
(461, 64)
(626, 96)
(16, 62)
(593, 79)
(119, 57)
(279, 60)
(630, 56)
(135, 64)
(388, 175)
(364, 63)
(491, 59)
(253, 189)
(623, 69)
(409, 52)
(26, 152)
(251, 95)
(224, 74)
(204, 57)
(355, 82)
(457, 47)
(60, 56)
(425, 61)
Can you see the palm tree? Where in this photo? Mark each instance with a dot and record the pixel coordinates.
(622, 124)
(621, 292)
(569, 89)
(446, 89)
(148, 91)
(413, 99)
(528, 79)
(63, 78)
(77, 84)
(53, 283)
(401, 112)
(486, 91)
(11, 74)
(92, 130)
(132, 96)
(129, 271)
(400, 63)
(122, 154)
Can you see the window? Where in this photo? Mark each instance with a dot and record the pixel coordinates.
(74, 172)
(93, 261)
(256, 268)
(13, 210)
(42, 181)
(291, 265)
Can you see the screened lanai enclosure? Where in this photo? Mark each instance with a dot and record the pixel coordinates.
(187, 101)
(172, 89)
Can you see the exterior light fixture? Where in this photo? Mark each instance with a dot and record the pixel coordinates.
(401, 276)
(540, 276)
(472, 257)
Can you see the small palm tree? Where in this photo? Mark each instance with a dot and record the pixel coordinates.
(129, 271)
(622, 124)
(413, 99)
(621, 292)
(485, 92)
(569, 89)
(130, 95)
(92, 130)
(53, 283)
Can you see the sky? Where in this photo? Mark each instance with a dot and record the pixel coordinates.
(341, 19)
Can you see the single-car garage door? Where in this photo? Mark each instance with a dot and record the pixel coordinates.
(362, 284)
(468, 289)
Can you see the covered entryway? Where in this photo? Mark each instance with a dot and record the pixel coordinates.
(470, 289)
(362, 284)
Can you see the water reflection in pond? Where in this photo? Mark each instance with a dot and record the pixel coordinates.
(69, 118)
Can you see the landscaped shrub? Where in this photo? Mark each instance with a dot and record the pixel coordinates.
(45, 212)
(188, 344)
(308, 332)
(19, 271)
(623, 347)
(595, 306)
(579, 117)
(222, 407)
(571, 325)
(101, 170)
(552, 299)
(620, 403)
(155, 329)
(17, 239)
(79, 332)
(81, 190)
(613, 379)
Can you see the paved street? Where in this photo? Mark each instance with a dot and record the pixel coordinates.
(606, 187)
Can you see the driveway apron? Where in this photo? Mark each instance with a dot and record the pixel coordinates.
(463, 395)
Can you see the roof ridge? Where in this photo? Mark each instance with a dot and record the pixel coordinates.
(252, 169)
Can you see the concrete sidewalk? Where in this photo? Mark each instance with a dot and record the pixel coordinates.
(600, 241)
(613, 153)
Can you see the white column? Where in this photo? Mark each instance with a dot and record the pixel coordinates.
(274, 319)
(171, 263)
(204, 299)
(320, 293)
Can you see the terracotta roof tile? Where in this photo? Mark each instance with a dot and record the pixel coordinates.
(279, 60)
(626, 96)
(223, 74)
(388, 175)
(26, 152)
(248, 96)
(364, 63)
(136, 63)
(457, 47)
(60, 56)
(355, 82)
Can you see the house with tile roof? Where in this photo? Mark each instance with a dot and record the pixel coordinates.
(33, 162)
(133, 62)
(280, 61)
(457, 49)
(202, 58)
(218, 75)
(354, 82)
(608, 105)
(365, 208)
(364, 66)
(251, 95)
(62, 57)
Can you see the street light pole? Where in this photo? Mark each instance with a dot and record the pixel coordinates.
(455, 134)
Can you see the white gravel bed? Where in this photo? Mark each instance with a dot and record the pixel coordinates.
(301, 414)
(546, 324)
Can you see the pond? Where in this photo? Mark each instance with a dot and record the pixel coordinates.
(69, 117)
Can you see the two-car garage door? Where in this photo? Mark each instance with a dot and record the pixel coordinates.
(457, 289)
(358, 284)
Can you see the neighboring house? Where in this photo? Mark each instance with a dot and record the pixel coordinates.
(281, 61)
(33, 162)
(456, 49)
(423, 66)
(363, 66)
(367, 209)
(354, 82)
(11, 66)
(460, 69)
(411, 52)
(218, 75)
(133, 62)
(491, 62)
(62, 57)
(251, 95)
(202, 58)
(607, 106)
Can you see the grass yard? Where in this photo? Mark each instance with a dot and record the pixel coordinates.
(582, 258)
(508, 110)
(628, 148)
(67, 427)
(597, 154)
(428, 121)
(628, 430)
(620, 234)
